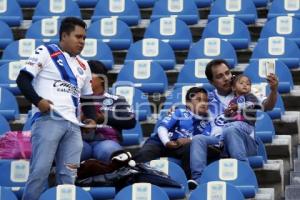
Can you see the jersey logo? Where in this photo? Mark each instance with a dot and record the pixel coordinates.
(108, 102)
(219, 120)
(80, 71)
(60, 62)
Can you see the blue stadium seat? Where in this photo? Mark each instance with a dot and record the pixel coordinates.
(132, 136)
(6, 35)
(9, 107)
(283, 8)
(213, 48)
(176, 173)
(112, 31)
(65, 192)
(260, 159)
(125, 10)
(135, 98)
(264, 128)
(187, 11)
(19, 50)
(45, 30)
(203, 3)
(171, 30)
(152, 49)
(101, 193)
(285, 26)
(233, 171)
(86, 3)
(244, 10)
(229, 28)
(146, 75)
(97, 50)
(145, 3)
(214, 189)
(194, 73)
(10, 12)
(256, 71)
(7, 194)
(141, 191)
(8, 75)
(14, 173)
(51, 8)
(28, 3)
(280, 48)
(260, 3)
(4, 125)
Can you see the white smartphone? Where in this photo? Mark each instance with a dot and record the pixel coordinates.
(270, 68)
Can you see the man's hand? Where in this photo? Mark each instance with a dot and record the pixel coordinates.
(273, 82)
(90, 126)
(232, 108)
(183, 141)
(172, 145)
(100, 117)
(44, 105)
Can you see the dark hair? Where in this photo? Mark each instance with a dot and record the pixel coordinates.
(193, 91)
(68, 25)
(97, 67)
(235, 79)
(211, 64)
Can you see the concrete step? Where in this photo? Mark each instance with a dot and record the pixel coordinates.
(294, 178)
(265, 194)
(292, 192)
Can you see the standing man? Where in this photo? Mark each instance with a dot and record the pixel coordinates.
(54, 80)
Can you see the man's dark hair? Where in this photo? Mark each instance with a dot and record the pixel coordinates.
(211, 64)
(97, 67)
(193, 91)
(68, 25)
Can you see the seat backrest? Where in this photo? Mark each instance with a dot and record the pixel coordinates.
(125, 10)
(264, 127)
(9, 107)
(51, 8)
(141, 191)
(284, 7)
(171, 30)
(145, 3)
(216, 189)
(14, 173)
(132, 136)
(10, 12)
(152, 49)
(86, 3)
(28, 3)
(185, 10)
(213, 48)
(229, 28)
(4, 125)
(7, 194)
(65, 192)
(6, 35)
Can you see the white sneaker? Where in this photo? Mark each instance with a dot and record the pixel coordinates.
(192, 184)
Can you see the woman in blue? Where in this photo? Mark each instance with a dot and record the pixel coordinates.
(176, 130)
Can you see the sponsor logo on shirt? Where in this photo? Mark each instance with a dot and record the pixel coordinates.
(64, 86)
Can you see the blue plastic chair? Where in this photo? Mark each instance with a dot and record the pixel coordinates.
(132, 136)
(285, 26)
(264, 128)
(203, 3)
(187, 11)
(9, 107)
(14, 173)
(126, 10)
(215, 189)
(4, 125)
(260, 3)
(28, 3)
(213, 48)
(244, 10)
(135, 97)
(256, 72)
(51, 8)
(86, 3)
(12, 13)
(283, 8)
(280, 48)
(6, 35)
(145, 3)
(146, 75)
(141, 191)
(19, 50)
(45, 30)
(229, 28)
(111, 31)
(171, 30)
(65, 191)
(260, 159)
(6, 194)
(233, 171)
(152, 49)
(97, 50)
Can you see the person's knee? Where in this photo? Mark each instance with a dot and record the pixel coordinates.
(199, 139)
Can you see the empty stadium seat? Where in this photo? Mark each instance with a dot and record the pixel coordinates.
(97, 50)
(213, 48)
(86, 3)
(65, 192)
(264, 128)
(216, 189)
(14, 173)
(6, 194)
(171, 30)
(112, 31)
(279, 48)
(145, 3)
(285, 26)
(284, 7)
(132, 136)
(9, 107)
(185, 10)
(152, 49)
(244, 10)
(125, 10)
(28, 3)
(141, 191)
(6, 35)
(55, 8)
(10, 12)
(232, 171)
(146, 75)
(229, 28)
(257, 70)
(203, 3)
(4, 125)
